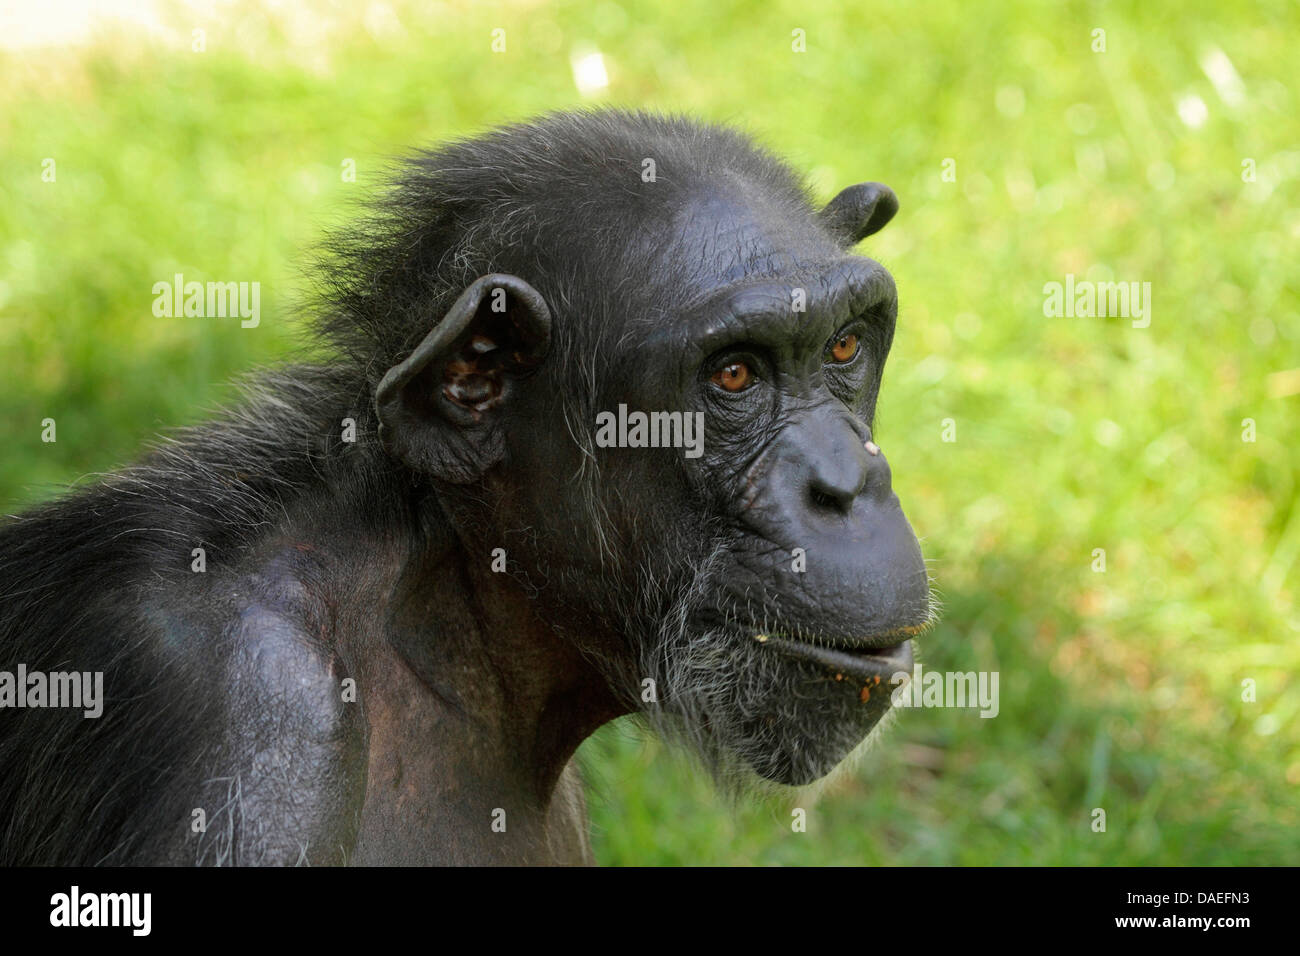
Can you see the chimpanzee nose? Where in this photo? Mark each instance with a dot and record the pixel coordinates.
(836, 482)
(844, 466)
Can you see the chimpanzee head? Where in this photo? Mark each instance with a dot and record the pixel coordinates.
(639, 359)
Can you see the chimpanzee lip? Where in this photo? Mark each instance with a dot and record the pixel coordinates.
(866, 663)
(872, 657)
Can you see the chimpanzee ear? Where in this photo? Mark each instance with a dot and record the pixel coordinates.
(440, 410)
(859, 211)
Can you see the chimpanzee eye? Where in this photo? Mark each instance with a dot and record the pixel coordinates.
(845, 348)
(733, 377)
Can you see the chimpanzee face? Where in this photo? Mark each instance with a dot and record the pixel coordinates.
(783, 650)
(743, 571)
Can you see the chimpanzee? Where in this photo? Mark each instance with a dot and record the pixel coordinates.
(589, 434)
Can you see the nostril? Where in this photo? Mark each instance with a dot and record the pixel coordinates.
(827, 497)
(824, 502)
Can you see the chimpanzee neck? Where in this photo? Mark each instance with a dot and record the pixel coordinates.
(470, 700)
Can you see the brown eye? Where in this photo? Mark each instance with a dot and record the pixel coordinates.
(735, 377)
(845, 348)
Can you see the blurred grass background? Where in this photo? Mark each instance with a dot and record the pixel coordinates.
(1120, 690)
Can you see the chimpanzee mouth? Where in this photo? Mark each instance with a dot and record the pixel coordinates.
(874, 664)
(873, 658)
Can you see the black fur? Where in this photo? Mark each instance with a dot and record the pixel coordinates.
(290, 516)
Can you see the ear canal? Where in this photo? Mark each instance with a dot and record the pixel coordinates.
(858, 212)
(533, 321)
(439, 408)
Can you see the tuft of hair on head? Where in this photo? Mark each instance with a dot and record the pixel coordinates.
(550, 199)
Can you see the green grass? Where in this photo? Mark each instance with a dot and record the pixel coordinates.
(1120, 690)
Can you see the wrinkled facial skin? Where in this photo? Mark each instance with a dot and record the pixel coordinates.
(778, 654)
